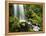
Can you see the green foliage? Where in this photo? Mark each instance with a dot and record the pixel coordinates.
(32, 12)
(30, 30)
(11, 23)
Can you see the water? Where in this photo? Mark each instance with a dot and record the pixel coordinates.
(22, 15)
(19, 9)
(15, 10)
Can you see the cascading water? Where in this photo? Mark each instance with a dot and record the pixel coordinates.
(19, 9)
(22, 15)
(15, 10)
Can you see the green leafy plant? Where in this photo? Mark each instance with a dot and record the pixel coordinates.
(33, 13)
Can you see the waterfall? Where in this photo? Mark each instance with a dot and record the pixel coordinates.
(15, 10)
(19, 9)
(22, 15)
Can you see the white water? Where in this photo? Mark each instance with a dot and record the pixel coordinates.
(22, 15)
(21, 12)
(15, 10)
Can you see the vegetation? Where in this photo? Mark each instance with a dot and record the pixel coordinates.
(33, 14)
